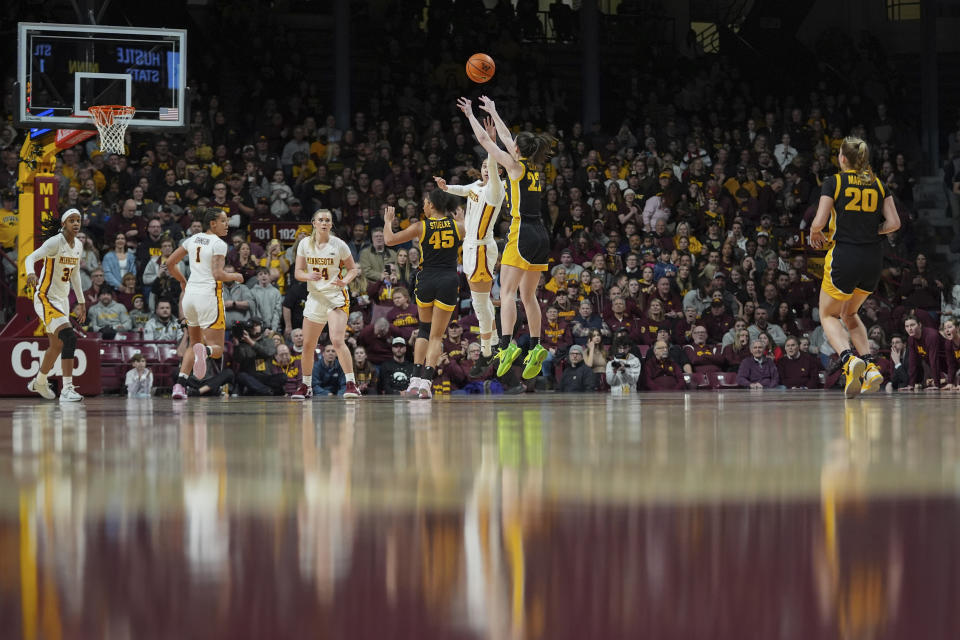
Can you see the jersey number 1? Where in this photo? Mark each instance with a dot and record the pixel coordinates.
(198, 254)
(442, 239)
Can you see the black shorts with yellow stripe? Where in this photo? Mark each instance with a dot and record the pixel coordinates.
(528, 244)
(852, 268)
(439, 288)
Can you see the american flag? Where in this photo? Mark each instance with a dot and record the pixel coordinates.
(169, 113)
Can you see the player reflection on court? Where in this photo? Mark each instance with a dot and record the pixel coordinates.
(206, 535)
(325, 517)
(857, 555)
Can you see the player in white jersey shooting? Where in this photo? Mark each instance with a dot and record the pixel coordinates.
(61, 255)
(201, 301)
(320, 258)
(480, 253)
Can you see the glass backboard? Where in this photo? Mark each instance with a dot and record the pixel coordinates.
(66, 68)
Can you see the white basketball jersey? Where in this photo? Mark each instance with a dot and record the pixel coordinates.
(483, 208)
(326, 259)
(201, 248)
(59, 262)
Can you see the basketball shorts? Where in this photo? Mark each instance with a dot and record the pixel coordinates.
(852, 268)
(528, 245)
(319, 304)
(203, 310)
(54, 312)
(479, 260)
(440, 288)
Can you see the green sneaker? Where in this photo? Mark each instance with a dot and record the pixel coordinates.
(506, 357)
(534, 362)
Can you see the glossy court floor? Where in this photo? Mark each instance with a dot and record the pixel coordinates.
(708, 515)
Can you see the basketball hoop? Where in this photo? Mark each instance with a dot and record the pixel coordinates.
(112, 121)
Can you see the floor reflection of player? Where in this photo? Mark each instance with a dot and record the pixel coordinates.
(206, 523)
(325, 520)
(858, 552)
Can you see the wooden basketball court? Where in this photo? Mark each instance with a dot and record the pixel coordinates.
(700, 515)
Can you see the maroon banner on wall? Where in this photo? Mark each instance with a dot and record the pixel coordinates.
(20, 361)
(285, 232)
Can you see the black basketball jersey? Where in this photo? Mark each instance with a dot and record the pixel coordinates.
(524, 198)
(439, 243)
(857, 212)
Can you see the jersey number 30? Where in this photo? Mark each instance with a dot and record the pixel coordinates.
(861, 199)
(442, 239)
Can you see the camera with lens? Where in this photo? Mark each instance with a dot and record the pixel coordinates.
(236, 331)
(617, 364)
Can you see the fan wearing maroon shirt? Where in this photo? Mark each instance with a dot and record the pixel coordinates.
(672, 304)
(566, 306)
(718, 321)
(653, 322)
(453, 343)
(683, 328)
(660, 373)
(403, 316)
(618, 318)
(798, 370)
(923, 345)
(377, 339)
(555, 337)
(734, 354)
(702, 357)
(951, 348)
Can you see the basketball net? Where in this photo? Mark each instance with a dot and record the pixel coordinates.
(112, 121)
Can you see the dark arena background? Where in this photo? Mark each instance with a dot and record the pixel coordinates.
(691, 460)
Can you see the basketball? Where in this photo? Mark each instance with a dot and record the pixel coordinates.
(480, 67)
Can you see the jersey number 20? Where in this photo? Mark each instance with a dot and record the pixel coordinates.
(861, 199)
(442, 239)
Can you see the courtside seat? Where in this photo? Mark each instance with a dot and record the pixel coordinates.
(724, 380)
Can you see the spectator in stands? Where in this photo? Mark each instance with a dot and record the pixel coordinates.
(118, 261)
(593, 352)
(267, 299)
(374, 258)
(737, 351)
(585, 323)
(156, 266)
(128, 224)
(364, 371)
(623, 369)
(762, 325)
(395, 373)
(758, 371)
(237, 302)
(900, 360)
(107, 316)
(924, 347)
(702, 357)
(798, 370)
(403, 315)
(139, 379)
(163, 327)
(577, 376)
(660, 373)
(277, 265)
(97, 280)
(138, 314)
(126, 291)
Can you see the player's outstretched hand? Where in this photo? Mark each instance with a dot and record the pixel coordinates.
(490, 128)
(466, 106)
(388, 215)
(441, 183)
(486, 104)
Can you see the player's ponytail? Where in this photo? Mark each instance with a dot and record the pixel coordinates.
(50, 225)
(537, 147)
(442, 201)
(209, 216)
(857, 154)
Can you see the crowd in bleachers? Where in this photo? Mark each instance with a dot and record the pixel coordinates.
(679, 256)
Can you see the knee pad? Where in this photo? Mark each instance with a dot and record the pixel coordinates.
(69, 340)
(423, 331)
(483, 307)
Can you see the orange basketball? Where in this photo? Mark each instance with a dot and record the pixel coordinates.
(480, 67)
